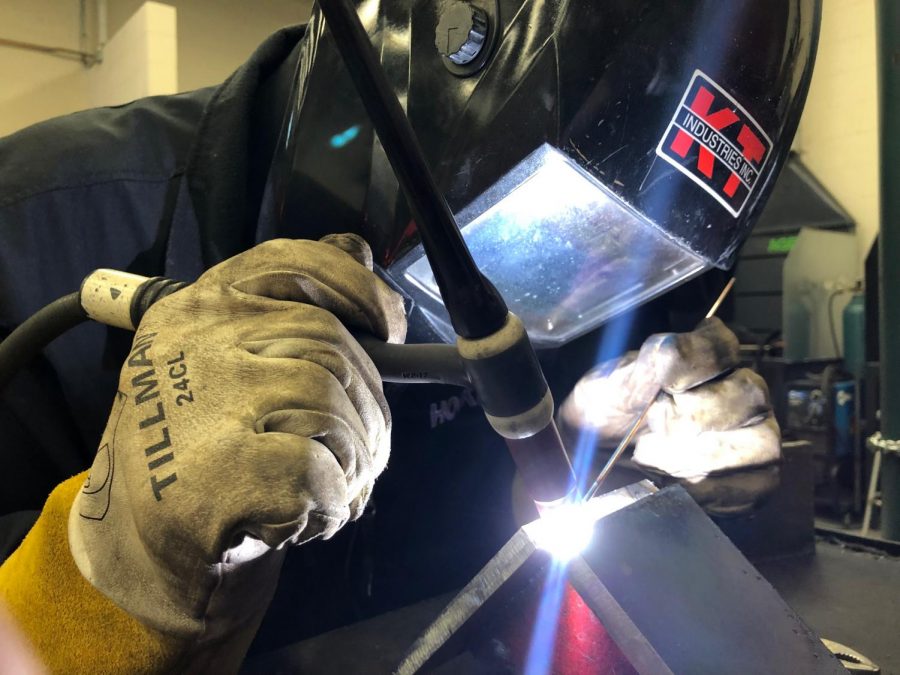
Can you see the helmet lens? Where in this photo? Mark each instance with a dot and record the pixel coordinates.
(566, 254)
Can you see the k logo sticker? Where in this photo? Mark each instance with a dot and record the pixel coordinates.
(716, 143)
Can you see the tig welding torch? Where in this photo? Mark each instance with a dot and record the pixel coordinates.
(501, 368)
(492, 343)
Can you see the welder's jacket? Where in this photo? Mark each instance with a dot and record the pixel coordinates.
(160, 187)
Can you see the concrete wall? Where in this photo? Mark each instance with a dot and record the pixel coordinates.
(213, 38)
(216, 36)
(37, 86)
(139, 60)
(838, 137)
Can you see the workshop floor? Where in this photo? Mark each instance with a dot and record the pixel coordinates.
(846, 595)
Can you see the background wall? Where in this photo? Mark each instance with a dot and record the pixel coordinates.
(213, 38)
(216, 36)
(838, 137)
(37, 86)
(140, 59)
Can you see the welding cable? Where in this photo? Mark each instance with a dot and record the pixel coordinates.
(114, 298)
(120, 299)
(36, 332)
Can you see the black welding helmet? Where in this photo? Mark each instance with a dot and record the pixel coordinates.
(596, 153)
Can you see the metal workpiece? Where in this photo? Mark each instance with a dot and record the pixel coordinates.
(668, 588)
(692, 595)
(492, 597)
(450, 626)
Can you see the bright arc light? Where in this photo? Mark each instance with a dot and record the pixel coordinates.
(564, 531)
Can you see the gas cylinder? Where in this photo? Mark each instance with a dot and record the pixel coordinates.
(796, 331)
(855, 335)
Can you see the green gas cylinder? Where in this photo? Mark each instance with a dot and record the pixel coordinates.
(796, 331)
(855, 335)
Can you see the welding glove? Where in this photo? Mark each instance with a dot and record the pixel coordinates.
(247, 419)
(711, 427)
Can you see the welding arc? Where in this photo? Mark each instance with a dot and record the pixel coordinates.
(639, 420)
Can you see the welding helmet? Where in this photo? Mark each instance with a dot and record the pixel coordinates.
(596, 153)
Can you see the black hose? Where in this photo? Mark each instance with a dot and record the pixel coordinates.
(397, 363)
(36, 332)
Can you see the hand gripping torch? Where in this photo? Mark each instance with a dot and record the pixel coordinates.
(493, 353)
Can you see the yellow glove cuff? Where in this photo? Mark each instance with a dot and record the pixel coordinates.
(71, 625)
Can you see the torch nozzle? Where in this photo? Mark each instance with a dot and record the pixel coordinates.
(544, 466)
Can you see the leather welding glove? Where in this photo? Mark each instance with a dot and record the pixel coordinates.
(247, 419)
(711, 427)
